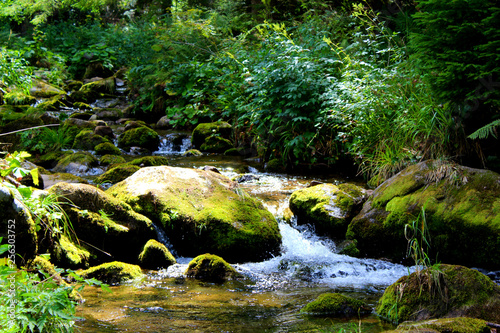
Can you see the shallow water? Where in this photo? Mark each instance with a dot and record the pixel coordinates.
(272, 293)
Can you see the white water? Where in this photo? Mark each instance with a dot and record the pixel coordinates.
(173, 144)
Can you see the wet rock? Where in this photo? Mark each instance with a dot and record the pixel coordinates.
(76, 163)
(446, 325)
(328, 207)
(110, 114)
(449, 291)
(211, 268)
(216, 144)
(107, 148)
(18, 98)
(462, 209)
(117, 174)
(55, 103)
(155, 255)
(131, 124)
(42, 89)
(336, 305)
(201, 212)
(113, 272)
(205, 130)
(104, 131)
(111, 159)
(192, 152)
(87, 140)
(163, 123)
(61, 177)
(17, 219)
(211, 168)
(143, 137)
(109, 228)
(96, 69)
(247, 178)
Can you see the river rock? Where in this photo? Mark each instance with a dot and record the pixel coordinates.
(112, 272)
(18, 98)
(328, 207)
(445, 325)
(462, 209)
(202, 211)
(89, 92)
(211, 268)
(163, 123)
(155, 255)
(336, 305)
(42, 89)
(107, 148)
(111, 159)
(442, 291)
(87, 140)
(117, 173)
(205, 130)
(104, 131)
(109, 228)
(76, 163)
(17, 226)
(143, 137)
(216, 144)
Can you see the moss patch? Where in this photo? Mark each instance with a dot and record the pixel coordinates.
(205, 130)
(117, 174)
(67, 254)
(211, 268)
(111, 159)
(18, 98)
(446, 325)
(337, 305)
(459, 291)
(77, 162)
(107, 148)
(155, 255)
(216, 144)
(112, 272)
(87, 140)
(143, 137)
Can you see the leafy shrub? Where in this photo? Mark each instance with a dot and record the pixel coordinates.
(14, 70)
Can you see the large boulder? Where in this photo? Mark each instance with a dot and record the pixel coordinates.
(445, 325)
(328, 207)
(106, 227)
(42, 89)
(211, 268)
(202, 211)
(87, 140)
(143, 137)
(462, 214)
(76, 163)
(205, 130)
(17, 226)
(443, 291)
(113, 272)
(336, 305)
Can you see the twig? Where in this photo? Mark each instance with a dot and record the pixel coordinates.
(27, 129)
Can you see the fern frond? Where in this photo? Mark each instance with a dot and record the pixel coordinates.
(486, 131)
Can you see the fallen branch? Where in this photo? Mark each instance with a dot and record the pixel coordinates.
(27, 129)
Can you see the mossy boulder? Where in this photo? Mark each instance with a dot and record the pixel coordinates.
(87, 140)
(105, 223)
(453, 291)
(69, 253)
(192, 152)
(117, 174)
(111, 159)
(336, 305)
(107, 148)
(76, 163)
(328, 207)
(95, 89)
(18, 98)
(205, 130)
(446, 325)
(462, 209)
(55, 103)
(113, 272)
(16, 218)
(50, 159)
(143, 137)
(155, 255)
(202, 211)
(216, 144)
(146, 161)
(42, 89)
(211, 268)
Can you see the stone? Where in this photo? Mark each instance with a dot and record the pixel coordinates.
(446, 325)
(216, 144)
(336, 305)
(117, 174)
(113, 272)
(107, 148)
(211, 268)
(76, 163)
(155, 255)
(204, 130)
(87, 140)
(142, 137)
(104, 131)
(42, 89)
(202, 211)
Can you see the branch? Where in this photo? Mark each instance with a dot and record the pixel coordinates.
(27, 129)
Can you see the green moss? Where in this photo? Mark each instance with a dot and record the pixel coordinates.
(87, 140)
(112, 272)
(143, 137)
(53, 104)
(333, 304)
(82, 158)
(211, 268)
(18, 98)
(216, 144)
(149, 161)
(155, 255)
(204, 130)
(446, 325)
(192, 152)
(68, 254)
(42, 89)
(107, 148)
(275, 165)
(111, 159)
(117, 174)
(459, 291)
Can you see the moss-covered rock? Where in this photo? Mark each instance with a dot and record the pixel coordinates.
(205, 130)
(211, 268)
(93, 90)
(111, 114)
(455, 292)
(216, 144)
(192, 152)
(275, 165)
(111, 159)
(146, 161)
(336, 305)
(107, 148)
(107, 224)
(117, 174)
(328, 207)
(76, 163)
(16, 218)
(202, 211)
(112, 272)
(143, 137)
(69, 253)
(155, 255)
(462, 208)
(55, 103)
(42, 89)
(87, 140)
(446, 325)
(18, 98)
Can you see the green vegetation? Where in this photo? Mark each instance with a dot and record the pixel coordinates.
(333, 304)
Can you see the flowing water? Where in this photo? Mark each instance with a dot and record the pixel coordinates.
(272, 293)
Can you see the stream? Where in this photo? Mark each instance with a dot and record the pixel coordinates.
(272, 292)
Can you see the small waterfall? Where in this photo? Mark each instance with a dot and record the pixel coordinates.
(174, 144)
(163, 238)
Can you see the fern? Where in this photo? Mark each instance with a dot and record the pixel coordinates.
(485, 131)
